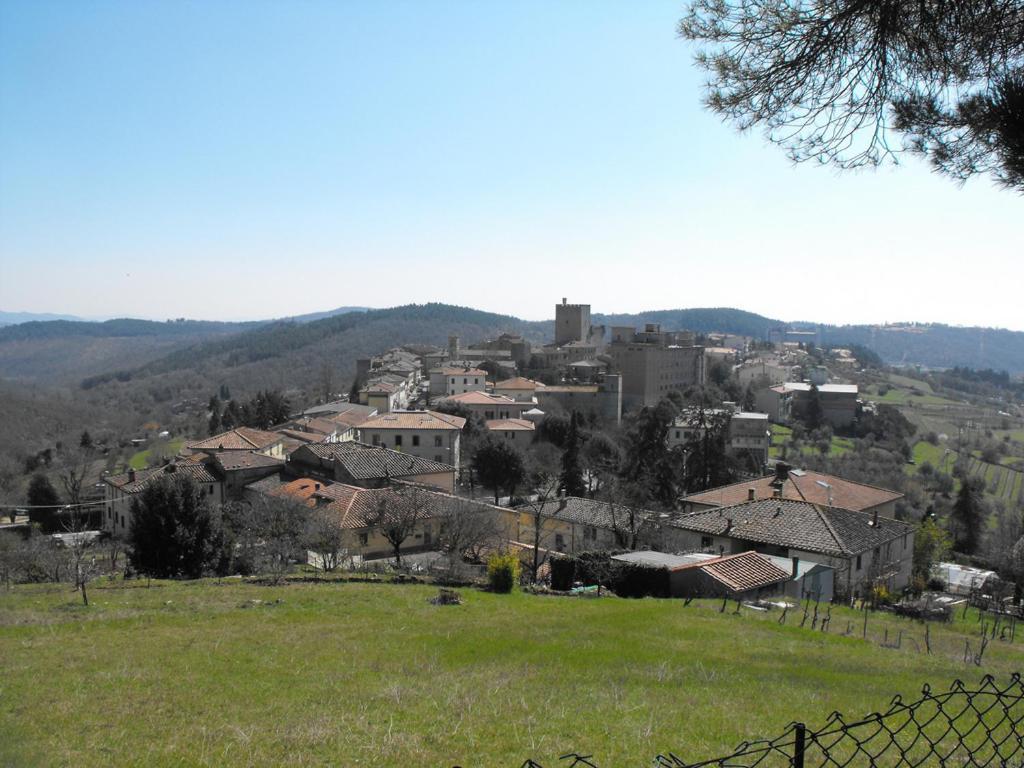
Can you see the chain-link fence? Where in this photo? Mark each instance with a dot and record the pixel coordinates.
(980, 727)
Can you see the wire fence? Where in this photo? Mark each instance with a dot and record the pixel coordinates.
(980, 727)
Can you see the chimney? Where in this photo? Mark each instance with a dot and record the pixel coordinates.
(751, 494)
(776, 493)
(874, 519)
(728, 525)
(564, 300)
(316, 486)
(796, 566)
(781, 472)
(131, 475)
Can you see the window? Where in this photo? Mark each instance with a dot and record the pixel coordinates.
(559, 542)
(706, 542)
(858, 562)
(437, 441)
(398, 441)
(376, 439)
(439, 458)
(364, 539)
(415, 441)
(465, 381)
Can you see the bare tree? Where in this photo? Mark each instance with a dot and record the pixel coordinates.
(468, 529)
(626, 509)
(397, 513)
(74, 470)
(10, 485)
(325, 381)
(326, 538)
(81, 548)
(546, 483)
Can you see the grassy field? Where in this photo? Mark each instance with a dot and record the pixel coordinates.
(143, 459)
(208, 673)
(783, 435)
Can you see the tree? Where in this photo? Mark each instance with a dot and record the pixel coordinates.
(467, 529)
(967, 517)
(837, 81)
(10, 485)
(498, 466)
(707, 460)
(571, 479)
(80, 547)
(214, 424)
(545, 485)
(931, 546)
(811, 413)
(397, 513)
(74, 467)
(325, 382)
(174, 531)
(602, 458)
(43, 501)
(325, 538)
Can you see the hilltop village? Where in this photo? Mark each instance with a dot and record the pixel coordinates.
(654, 446)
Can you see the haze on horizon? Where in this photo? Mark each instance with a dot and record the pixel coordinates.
(235, 160)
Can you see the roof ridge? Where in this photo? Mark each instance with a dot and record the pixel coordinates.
(828, 524)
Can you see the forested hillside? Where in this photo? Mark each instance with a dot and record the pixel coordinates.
(171, 386)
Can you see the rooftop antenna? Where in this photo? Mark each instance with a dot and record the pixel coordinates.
(827, 487)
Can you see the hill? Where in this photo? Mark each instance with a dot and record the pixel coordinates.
(63, 351)
(123, 374)
(13, 318)
(230, 673)
(700, 320)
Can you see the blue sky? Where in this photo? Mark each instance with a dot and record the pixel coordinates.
(250, 159)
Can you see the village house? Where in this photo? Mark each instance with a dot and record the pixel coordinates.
(241, 439)
(517, 432)
(368, 466)
(120, 490)
(838, 401)
(749, 434)
(603, 399)
(449, 380)
(428, 434)
(569, 524)
(488, 406)
(518, 388)
(865, 550)
(776, 401)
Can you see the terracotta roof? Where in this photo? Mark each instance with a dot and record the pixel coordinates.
(303, 437)
(356, 507)
(795, 524)
(482, 398)
(462, 372)
(743, 572)
(581, 388)
(143, 477)
(801, 485)
(414, 420)
(510, 425)
(363, 462)
(321, 425)
(239, 439)
(600, 514)
(236, 460)
(347, 420)
(519, 382)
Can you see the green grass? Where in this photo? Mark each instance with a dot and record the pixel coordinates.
(142, 459)
(782, 435)
(373, 674)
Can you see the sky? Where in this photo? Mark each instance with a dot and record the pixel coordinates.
(245, 160)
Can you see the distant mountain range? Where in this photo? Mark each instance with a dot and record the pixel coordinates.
(13, 318)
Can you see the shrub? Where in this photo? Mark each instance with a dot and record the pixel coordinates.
(503, 572)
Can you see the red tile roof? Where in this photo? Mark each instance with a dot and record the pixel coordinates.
(414, 420)
(240, 439)
(801, 485)
(743, 572)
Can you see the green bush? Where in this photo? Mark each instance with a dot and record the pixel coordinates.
(503, 572)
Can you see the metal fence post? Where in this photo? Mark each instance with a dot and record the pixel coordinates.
(800, 733)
